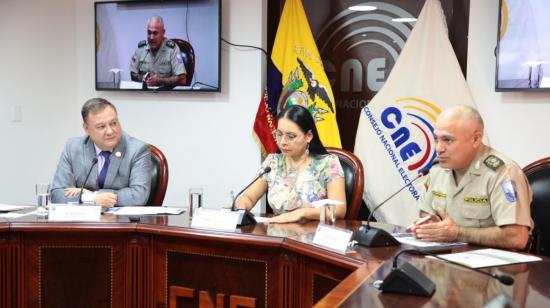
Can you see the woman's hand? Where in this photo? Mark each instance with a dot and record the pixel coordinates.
(291, 216)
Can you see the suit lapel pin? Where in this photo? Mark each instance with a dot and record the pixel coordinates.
(118, 154)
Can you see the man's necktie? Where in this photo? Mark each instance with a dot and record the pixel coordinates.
(103, 173)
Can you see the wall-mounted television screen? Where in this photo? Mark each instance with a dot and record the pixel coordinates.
(158, 45)
(523, 51)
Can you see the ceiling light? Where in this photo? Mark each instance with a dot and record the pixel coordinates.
(404, 19)
(362, 8)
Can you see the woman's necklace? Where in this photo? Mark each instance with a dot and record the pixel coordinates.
(294, 168)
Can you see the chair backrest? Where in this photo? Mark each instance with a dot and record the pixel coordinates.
(188, 55)
(354, 180)
(159, 177)
(538, 174)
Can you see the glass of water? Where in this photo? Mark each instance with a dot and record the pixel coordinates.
(42, 199)
(195, 200)
(328, 214)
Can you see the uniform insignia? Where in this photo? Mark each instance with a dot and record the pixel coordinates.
(439, 194)
(170, 43)
(142, 43)
(477, 200)
(493, 162)
(179, 58)
(509, 190)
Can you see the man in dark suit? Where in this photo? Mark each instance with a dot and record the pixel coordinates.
(122, 174)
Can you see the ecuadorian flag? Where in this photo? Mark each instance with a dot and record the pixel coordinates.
(299, 74)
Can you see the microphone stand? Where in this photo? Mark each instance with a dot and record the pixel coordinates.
(504, 279)
(373, 237)
(94, 161)
(247, 218)
(407, 279)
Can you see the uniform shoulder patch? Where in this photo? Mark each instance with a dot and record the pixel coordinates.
(142, 43)
(170, 43)
(493, 162)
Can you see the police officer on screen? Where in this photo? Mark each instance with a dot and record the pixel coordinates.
(475, 194)
(157, 60)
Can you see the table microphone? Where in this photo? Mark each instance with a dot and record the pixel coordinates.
(247, 218)
(373, 237)
(504, 279)
(407, 279)
(94, 161)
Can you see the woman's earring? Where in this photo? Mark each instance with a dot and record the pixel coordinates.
(307, 149)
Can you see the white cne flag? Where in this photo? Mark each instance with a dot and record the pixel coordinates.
(395, 132)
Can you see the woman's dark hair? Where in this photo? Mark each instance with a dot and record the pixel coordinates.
(301, 116)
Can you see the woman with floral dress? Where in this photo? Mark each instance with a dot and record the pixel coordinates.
(301, 172)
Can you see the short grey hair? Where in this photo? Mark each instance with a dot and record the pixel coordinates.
(465, 112)
(95, 105)
(156, 19)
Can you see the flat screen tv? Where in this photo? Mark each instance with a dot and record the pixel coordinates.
(523, 51)
(131, 55)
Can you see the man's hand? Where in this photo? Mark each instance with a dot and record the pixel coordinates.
(445, 230)
(74, 191)
(106, 199)
(152, 79)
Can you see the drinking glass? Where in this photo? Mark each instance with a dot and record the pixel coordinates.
(195, 200)
(42, 198)
(328, 214)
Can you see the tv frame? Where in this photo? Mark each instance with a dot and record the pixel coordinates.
(497, 55)
(203, 87)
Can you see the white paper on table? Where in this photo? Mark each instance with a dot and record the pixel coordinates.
(488, 257)
(10, 207)
(322, 202)
(125, 84)
(146, 210)
(13, 215)
(409, 239)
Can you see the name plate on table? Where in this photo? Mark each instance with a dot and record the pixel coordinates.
(332, 238)
(215, 219)
(61, 212)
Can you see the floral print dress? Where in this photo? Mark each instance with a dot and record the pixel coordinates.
(290, 189)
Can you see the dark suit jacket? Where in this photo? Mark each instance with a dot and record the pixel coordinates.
(129, 176)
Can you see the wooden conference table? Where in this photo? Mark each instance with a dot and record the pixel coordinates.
(162, 262)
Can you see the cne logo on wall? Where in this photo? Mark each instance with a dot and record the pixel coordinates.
(405, 129)
(360, 49)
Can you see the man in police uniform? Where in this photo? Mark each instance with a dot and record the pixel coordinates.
(475, 194)
(157, 60)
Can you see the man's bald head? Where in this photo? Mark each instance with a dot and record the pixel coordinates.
(464, 115)
(458, 132)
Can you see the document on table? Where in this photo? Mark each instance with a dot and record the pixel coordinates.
(10, 207)
(13, 215)
(146, 210)
(488, 257)
(409, 239)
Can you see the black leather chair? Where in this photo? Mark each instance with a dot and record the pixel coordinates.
(159, 177)
(354, 178)
(188, 55)
(538, 174)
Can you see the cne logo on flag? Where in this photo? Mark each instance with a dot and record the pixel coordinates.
(406, 130)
